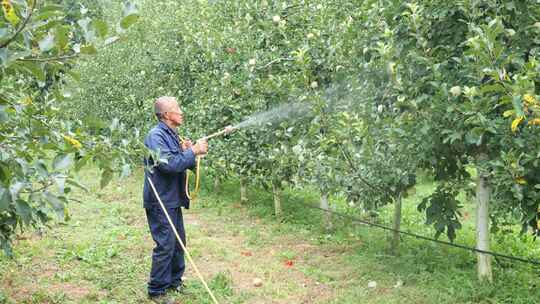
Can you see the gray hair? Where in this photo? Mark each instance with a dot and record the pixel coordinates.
(163, 104)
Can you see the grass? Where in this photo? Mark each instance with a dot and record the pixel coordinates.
(102, 255)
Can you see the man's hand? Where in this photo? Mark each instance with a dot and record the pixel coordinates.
(201, 147)
(229, 129)
(186, 144)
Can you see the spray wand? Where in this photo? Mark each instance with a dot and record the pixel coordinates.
(226, 130)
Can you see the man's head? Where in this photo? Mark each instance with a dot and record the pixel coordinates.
(167, 110)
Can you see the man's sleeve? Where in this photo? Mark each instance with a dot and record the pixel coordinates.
(177, 160)
(192, 168)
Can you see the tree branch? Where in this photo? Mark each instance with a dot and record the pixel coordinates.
(20, 29)
(44, 186)
(45, 59)
(59, 58)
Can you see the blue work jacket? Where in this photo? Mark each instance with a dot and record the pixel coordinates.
(168, 178)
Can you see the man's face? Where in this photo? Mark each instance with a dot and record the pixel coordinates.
(174, 114)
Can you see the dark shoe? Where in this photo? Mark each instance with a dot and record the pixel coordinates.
(162, 299)
(179, 289)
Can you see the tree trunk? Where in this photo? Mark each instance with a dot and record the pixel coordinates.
(276, 188)
(243, 191)
(327, 215)
(482, 227)
(216, 184)
(397, 226)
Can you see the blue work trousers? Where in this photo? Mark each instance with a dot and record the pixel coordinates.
(168, 263)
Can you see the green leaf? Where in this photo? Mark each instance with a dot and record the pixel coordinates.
(56, 204)
(53, 200)
(89, 34)
(4, 56)
(128, 21)
(5, 199)
(47, 43)
(81, 162)
(52, 8)
(76, 184)
(131, 15)
(3, 32)
(24, 211)
(111, 40)
(41, 169)
(5, 173)
(475, 136)
(88, 49)
(67, 217)
(47, 15)
(76, 76)
(3, 114)
(84, 24)
(106, 177)
(62, 37)
(60, 182)
(12, 56)
(48, 25)
(101, 27)
(33, 68)
(492, 88)
(518, 105)
(62, 161)
(451, 233)
(15, 188)
(129, 9)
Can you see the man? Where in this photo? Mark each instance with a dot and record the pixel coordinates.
(168, 177)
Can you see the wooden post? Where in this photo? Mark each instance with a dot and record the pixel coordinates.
(216, 184)
(243, 191)
(276, 188)
(327, 215)
(396, 225)
(482, 227)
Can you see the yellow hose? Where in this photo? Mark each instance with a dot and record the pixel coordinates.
(193, 196)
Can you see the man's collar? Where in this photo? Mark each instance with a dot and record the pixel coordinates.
(165, 127)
